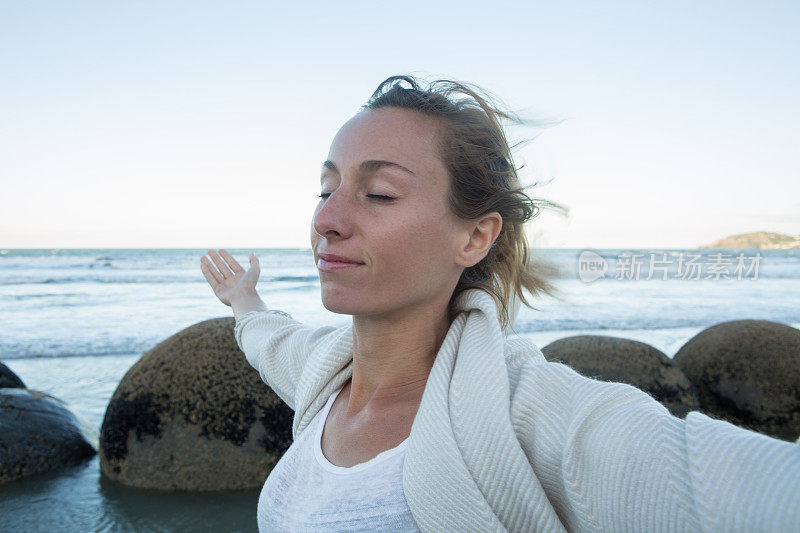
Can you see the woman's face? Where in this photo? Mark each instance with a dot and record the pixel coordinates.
(408, 244)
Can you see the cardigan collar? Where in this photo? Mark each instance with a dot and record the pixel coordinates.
(464, 467)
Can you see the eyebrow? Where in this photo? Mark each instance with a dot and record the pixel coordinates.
(372, 165)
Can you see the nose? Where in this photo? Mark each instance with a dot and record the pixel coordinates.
(333, 217)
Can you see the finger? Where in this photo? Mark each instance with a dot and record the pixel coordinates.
(209, 270)
(223, 268)
(235, 266)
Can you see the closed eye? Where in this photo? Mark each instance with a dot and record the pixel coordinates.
(380, 197)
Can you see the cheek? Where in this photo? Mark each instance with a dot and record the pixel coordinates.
(417, 246)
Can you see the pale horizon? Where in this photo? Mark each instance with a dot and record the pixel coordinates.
(201, 126)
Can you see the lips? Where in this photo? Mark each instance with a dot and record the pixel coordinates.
(333, 258)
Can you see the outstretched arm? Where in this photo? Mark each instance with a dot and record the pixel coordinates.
(278, 347)
(612, 458)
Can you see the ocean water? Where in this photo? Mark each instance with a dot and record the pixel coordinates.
(74, 321)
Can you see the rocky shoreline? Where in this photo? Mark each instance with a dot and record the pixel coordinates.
(192, 415)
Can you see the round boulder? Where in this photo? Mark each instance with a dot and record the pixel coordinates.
(627, 361)
(192, 414)
(747, 372)
(39, 433)
(9, 379)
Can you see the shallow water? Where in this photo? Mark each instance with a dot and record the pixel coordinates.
(80, 498)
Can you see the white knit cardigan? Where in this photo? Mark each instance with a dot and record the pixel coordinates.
(506, 441)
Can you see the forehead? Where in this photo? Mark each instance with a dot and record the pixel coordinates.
(403, 136)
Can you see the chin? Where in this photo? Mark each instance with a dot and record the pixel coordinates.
(343, 302)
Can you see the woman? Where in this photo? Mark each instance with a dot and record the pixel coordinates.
(422, 414)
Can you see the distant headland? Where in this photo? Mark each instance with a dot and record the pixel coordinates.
(764, 240)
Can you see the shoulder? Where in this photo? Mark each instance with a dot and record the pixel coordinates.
(518, 350)
(526, 364)
(530, 374)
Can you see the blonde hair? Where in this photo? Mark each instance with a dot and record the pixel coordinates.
(484, 179)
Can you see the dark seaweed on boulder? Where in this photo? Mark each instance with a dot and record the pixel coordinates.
(232, 422)
(141, 414)
(277, 420)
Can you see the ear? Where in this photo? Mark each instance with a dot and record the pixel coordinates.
(481, 235)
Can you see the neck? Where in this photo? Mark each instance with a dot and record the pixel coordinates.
(392, 358)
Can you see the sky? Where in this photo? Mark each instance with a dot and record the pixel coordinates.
(204, 124)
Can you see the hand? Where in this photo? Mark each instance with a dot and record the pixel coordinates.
(228, 279)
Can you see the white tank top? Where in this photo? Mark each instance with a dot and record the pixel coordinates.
(306, 492)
